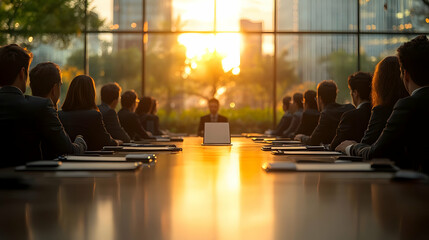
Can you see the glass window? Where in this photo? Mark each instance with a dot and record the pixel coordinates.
(192, 15)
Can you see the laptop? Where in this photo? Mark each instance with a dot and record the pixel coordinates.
(216, 134)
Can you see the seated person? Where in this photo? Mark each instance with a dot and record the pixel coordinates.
(295, 109)
(404, 139)
(149, 121)
(387, 89)
(80, 115)
(26, 121)
(310, 116)
(285, 120)
(153, 112)
(354, 122)
(212, 117)
(45, 82)
(129, 119)
(109, 100)
(330, 114)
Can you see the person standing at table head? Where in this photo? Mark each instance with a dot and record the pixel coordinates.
(80, 114)
(310, 116)
(129, 119)
(110, 94)
(27, 121)
(330, 114)
(353, 123)
(214, 116)
(405, 137)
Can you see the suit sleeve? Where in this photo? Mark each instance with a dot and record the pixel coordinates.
(157, 131)
(292, 126)
(376, 125)
(317, 135)
(115, 127)
(345, 127)
(101, 132)
(137, 127)
(391, 135)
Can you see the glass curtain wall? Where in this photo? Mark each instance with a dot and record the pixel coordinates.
(248, 54)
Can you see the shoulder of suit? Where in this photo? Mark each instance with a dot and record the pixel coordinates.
(38, 101)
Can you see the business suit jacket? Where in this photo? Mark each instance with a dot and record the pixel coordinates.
(405, 137)
(310, 118)
(377, 122)
(26, 122)
(283, 124)
(131, 123)
(89, 124)
(111, 122)
(150, 122)
(294, 124)
(328, 123)
(207, 118)
(352, 125)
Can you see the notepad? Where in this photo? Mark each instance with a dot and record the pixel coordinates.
(141, 149)
(145, 158)
(297, 148)
(80, 166)
(317, 167)
(329, 153)
(216, 134)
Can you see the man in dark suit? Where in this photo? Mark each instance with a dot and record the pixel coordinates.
(129, 119)
(26, 121)
(354, 122)
(310, 116)
(285, 120)
(109, 100)
(212, 117)
(330, 115)
(405, 137)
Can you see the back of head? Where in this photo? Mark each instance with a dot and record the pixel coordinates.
(286, 101)
(12, 59)
(310, 99)
(145, 106)
(110, 92)
(128, 98)
(80, 95)
(414, 58)
(327, 91)
(387, 85)
(297, 99)
(361, 82)
(43, 77)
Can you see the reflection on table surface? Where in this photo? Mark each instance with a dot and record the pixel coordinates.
(217, 192)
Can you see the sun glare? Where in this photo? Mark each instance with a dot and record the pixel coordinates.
(226, 44)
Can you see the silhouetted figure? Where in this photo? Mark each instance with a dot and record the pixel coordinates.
(80, 115)
(310, 116)
(109, 100)
(296, 109)
(149, 121)
(354, 122)
(26, 121)
(285, 120)
(214, 116)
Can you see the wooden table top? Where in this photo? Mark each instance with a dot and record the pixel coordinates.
(214, 193)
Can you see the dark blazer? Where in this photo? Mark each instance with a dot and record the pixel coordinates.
(328, 123)
(310, 118)
(376, 124)
(207, 118)
(89, 124)
(294, 124)
(150, 122)
(26, 122)
(283, 124)
(111, 122)
(405, 137)
(352, 125)
(131, 123)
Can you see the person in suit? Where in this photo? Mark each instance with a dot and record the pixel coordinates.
(214, 116)
(310, 116)
(285, 120)
(110, 93)
(296, 109)
(129, 119)
(330, 115)
(26, 121)
(387, 89)
(149, 121)
(153, 111)
(354, 122)
(404, 138)
(45, 82)
(80, 114)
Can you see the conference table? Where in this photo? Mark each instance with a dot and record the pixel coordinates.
(213, 192)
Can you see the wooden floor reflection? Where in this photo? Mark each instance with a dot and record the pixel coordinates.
(214, 193)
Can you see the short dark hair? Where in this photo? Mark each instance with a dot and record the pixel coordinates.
(110, 92)
(128, 98)
(12, 59)
(414, 58)
(327, 91)
(43, 77)
(145, 106)
(310, 99)
(213, 100)
(286, 101)
(361, 82)
(81, 94)
(297, 98)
